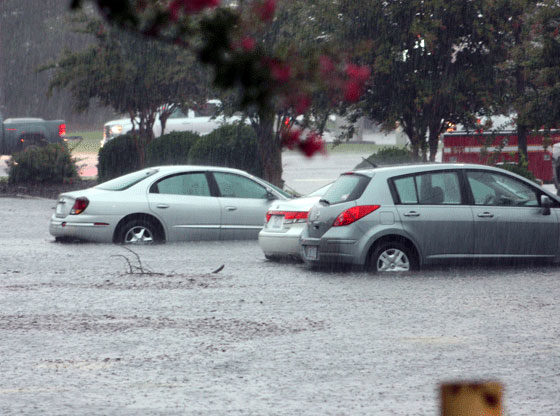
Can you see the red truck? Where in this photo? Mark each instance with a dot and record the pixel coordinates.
(496, 147)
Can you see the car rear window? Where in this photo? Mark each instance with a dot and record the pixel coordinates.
(126, 181)
(347, 187)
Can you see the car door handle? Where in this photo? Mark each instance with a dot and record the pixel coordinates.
(231, 208)
(162, 206)
(486, 215)
(411, 214)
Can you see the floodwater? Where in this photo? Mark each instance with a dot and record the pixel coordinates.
(80, 335)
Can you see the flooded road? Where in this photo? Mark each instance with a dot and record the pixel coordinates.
(79, 334)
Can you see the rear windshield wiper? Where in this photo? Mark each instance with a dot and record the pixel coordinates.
(324, 201)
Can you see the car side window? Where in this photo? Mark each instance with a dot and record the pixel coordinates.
(492, 188)
(237, 186)
(434, 188)
(193, 184)
(439, 188)
(406, 189)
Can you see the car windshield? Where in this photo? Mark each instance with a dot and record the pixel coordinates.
(347, 187)
(123, 182)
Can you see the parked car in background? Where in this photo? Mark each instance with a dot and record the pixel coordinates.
(202, 121)
(397, 218)
(17, 134)
(167, 203)
(284, 222)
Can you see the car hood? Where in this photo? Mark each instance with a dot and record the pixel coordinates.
(298, 204)
(123, 121)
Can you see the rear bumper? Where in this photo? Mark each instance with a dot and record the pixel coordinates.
(329, 250)
(87, 229)
(281, 243)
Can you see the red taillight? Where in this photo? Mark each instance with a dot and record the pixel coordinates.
(354, 214)
(62, 130)
(289, 216)
(80, 204)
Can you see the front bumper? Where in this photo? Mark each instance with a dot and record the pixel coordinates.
(87, 228)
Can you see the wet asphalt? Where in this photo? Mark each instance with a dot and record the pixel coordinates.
(79, 334)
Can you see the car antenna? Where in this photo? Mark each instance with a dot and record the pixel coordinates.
(370, 162)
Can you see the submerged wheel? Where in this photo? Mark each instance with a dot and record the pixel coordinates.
(138, 231)
(393, 256)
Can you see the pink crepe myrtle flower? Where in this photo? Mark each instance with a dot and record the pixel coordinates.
(266, 10)
(312, 144)
(291, 138)
(248, 43)
(353, 91)
(279, 70)
(358, 73)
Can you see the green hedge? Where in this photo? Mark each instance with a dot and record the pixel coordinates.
(171, 149)
(52, 164)
(118, 157)
(391, 155)
(520, 169)
(232, 145)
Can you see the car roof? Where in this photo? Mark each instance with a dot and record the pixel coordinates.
(172, 168)
(424, 167)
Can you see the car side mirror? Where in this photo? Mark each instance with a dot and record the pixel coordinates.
(546, 203)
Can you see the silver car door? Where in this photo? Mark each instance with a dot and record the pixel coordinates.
(185, 203)
(432, 212)
(508, 218)
(244, 203)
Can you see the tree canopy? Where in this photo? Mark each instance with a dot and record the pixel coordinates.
(141, 78)
(432, 63)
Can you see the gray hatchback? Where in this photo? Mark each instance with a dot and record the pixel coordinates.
(401, 217)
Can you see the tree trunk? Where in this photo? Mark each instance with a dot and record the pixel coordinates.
(269, 150)
(433, 139)
(522, 142)
(520, 86)
(359, 131)
(417, 141)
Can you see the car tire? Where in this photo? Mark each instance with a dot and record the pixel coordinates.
(138, 231)
(392, 257)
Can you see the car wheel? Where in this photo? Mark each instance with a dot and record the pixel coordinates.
(392, 256)
(138, 232)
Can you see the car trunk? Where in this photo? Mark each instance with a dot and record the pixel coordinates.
(342, 195)
(64, 205)
(322, 217)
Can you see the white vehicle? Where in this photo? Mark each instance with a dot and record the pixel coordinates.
(200, 121)
(284, 222)
(167, 203)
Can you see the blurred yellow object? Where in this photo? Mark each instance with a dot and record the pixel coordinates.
(471, 399)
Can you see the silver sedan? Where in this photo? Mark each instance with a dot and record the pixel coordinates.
(167, 203)
(284, 223)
